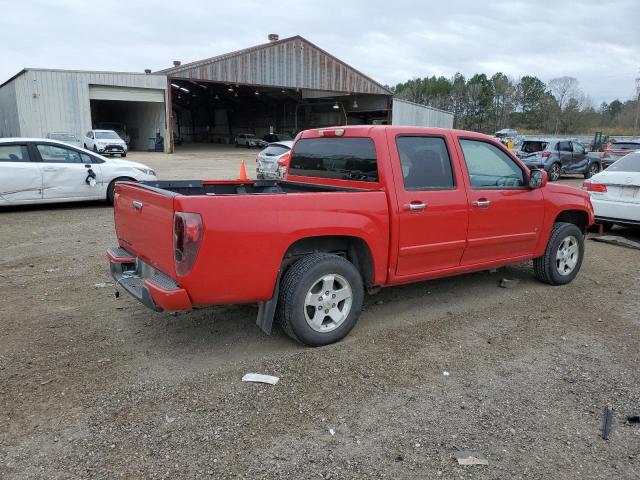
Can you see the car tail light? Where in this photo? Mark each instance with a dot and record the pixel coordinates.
(283, 161)
(594, 187)
(546, 154)
(187, 236)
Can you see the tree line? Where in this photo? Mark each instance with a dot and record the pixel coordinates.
(487, 104)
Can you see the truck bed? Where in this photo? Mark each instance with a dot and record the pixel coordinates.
(212, 187)
(248, 228)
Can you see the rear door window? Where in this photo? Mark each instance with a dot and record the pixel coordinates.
(425, 163)
(337, 158)
(14, 153)
(564, 147)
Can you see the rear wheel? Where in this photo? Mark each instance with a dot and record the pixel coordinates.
(563, 256)
(593, 169)
(554, 172)
(321, 299)
(111, 188)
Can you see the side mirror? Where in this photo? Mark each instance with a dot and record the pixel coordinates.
(537, 179)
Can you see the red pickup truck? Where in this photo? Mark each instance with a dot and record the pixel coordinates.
(361, 207)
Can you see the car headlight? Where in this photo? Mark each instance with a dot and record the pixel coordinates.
(147, 171)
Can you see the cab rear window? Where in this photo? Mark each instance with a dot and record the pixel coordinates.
(337, 158)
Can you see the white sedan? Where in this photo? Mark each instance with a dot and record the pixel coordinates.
(615, 192)
(47, 171)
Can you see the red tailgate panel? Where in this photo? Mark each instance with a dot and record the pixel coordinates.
(144, 224)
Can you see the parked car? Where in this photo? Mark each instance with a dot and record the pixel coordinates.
(50, 171)
(105, 141)
(508, 136)
(249, 140)
(68, 138)
(118, 127)
(558, 157)
(267, 161)
(615, 192)
(618, 150)
(276, 137)
(348, 217)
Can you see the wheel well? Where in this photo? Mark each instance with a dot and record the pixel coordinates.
(353, 249)
(119, 179)
(577, 217)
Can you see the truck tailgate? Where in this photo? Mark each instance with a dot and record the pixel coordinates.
(144, 224)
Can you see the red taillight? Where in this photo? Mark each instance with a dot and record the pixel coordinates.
(283, 161)
(546, 154)
(187, 236)
(338, 132)
(594, 187)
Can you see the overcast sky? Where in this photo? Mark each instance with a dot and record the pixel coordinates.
(597, 42)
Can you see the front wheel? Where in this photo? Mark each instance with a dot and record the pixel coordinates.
(593, 169)
(122, 155)
(95, 149)
(554, 172)
(563, 256)
(321, 299)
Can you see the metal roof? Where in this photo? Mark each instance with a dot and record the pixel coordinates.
(292, 62)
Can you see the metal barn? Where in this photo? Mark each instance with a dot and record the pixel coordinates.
(282, 86)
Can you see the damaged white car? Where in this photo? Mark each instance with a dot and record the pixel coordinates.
(47, 171)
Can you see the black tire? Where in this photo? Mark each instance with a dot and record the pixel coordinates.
(85, 146)
(299, 280)
(122, 155)
(546, 267)
(592, 170)
(95, 150)
(555, 171)
(112, 187)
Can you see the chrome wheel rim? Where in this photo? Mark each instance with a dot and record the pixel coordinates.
(555, 172)
(328, 303)
(567, 255)
(594, 169)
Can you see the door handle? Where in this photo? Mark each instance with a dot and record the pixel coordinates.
(49, 169)
(483, 202)
(137, 204)
(415, 206)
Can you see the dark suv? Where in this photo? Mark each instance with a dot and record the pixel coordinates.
(558, 156)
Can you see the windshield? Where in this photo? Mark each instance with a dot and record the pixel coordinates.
(340, 158)
(107, 136)
(64, 137)
(628, 163)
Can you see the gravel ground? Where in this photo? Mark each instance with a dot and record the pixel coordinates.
(97, 387)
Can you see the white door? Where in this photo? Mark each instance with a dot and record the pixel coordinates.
(20, 176)
(65, 173)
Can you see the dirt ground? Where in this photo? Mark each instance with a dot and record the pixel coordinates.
(93, 386)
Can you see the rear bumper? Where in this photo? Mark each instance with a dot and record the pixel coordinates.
(627, 212)
(152, 288)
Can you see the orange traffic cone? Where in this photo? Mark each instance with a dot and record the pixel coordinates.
(243, 172)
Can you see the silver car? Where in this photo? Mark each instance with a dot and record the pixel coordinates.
(267, 160)
(65, 137)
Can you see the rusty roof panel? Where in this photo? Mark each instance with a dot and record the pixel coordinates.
(289, 63)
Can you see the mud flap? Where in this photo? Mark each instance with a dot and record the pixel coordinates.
(267, 310)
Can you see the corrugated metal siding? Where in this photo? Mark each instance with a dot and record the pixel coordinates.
(413, 114)
(9, 121)
(59, 101)
(292, 63)
(126, 94)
